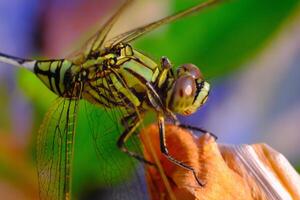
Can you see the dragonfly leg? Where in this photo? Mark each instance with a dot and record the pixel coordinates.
(127, 119)
(193, 128)
(133, 123)
(164, 150)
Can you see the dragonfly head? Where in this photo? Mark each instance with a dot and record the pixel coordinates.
(189, 90)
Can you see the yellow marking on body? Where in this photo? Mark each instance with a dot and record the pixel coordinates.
(91, 74)
(95, 83)
(122, 60)
(92, 62)
(190, 107)
(125, 91)
(132, 81)
(108, 56)
(64, 67)
(44, 66)
(146, 60)
(205, 100)
(44, 79)
(140, 69)
(53, 85)
(128, 51)
(162, 77)
(155, 75)
(53, 66)
(89, 63)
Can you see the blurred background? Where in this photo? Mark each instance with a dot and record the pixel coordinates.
(249, 50)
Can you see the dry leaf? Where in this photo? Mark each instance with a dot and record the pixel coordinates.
(229, 172)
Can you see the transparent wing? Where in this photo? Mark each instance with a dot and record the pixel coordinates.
(96, 41)
(138, 32)
(120, 174)
(55, 150)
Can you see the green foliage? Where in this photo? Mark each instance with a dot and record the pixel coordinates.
(40, 96)
(220, 38)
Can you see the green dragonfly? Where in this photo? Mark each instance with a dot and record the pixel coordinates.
(110, 73)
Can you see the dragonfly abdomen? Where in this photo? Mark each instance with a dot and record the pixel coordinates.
(53, 73)
(50, 72)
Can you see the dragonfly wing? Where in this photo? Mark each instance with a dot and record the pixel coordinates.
(96, 41)
(140, 31)
(117, 170)
(55, 150)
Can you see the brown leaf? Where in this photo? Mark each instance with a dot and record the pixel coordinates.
(223, 168)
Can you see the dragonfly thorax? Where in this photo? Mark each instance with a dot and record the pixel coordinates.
(189, 91)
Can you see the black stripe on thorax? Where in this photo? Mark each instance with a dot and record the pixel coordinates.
(137, 75)
(112, 86)
(57, 77)
(141, 62)
(97, 100)
(106, 97)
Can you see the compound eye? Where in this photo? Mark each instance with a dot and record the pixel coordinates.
(185, 86)
(191, 69)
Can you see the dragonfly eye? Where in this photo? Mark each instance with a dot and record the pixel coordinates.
(190, 69)
(182, 94)
(188, 93)
(185, 87)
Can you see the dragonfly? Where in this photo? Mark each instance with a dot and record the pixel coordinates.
(110, 73)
